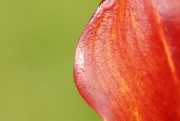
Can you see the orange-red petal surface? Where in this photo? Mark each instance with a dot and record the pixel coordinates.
(127, 63)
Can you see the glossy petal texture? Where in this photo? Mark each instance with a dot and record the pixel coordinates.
(127, 63)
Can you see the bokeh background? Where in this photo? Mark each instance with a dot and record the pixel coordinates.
(37, 45)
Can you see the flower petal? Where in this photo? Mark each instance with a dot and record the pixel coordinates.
(127, 63)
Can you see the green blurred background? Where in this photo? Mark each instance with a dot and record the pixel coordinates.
(37, 45)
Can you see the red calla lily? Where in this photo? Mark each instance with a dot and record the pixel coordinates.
(127, 62)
